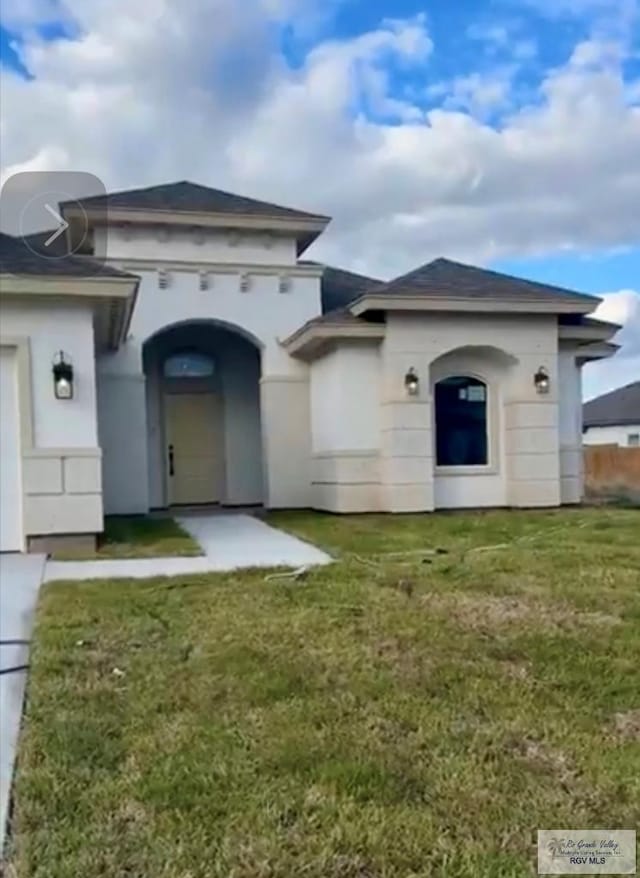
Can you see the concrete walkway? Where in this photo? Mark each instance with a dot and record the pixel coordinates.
(20, 578)
(229, 541)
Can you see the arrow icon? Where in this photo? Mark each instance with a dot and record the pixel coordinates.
(63, 225)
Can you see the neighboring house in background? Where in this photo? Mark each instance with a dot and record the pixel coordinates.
(210, 364)
(613, 418)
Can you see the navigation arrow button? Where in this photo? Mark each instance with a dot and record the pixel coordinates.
(63, 225)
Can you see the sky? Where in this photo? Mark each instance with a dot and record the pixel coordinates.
(503, 133)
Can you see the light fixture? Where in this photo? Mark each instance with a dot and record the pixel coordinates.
(203, 281)
(284, 284)
(245, 283)
(541, 380)
(62, 376)
(412, 382)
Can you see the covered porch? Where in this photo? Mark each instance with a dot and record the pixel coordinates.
(204, 432)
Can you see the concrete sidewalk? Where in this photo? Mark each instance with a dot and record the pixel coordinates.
(20, 578)
(229, 541)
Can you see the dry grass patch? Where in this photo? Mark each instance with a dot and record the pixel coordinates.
(627, 725)
(489, 611)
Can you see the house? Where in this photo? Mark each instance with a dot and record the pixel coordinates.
(613, 418)
(174, 348)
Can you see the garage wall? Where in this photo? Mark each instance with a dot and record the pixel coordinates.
(61, 477)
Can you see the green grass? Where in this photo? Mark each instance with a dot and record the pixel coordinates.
(136, 536)
(382, 717)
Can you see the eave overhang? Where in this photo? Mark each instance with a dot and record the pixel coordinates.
(594, 330)
(600, 350)
(113, 296)
(304, 229)
(312, 340)
(380, 302)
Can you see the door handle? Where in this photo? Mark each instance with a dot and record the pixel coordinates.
(171, 465)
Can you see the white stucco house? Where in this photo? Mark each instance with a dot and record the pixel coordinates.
(614, 418)
(185, 353)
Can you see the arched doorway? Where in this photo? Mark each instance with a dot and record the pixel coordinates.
(203, 416)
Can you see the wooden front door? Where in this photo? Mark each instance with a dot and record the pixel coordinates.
(194, 447)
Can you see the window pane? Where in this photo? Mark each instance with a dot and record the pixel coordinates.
(188, 365)
(634, 439)
(461, 422)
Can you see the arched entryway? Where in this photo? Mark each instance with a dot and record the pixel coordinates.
(203, 416)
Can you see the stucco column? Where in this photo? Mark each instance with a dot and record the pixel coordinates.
(286, 440)
(406, 428)
(122, 428)
(571, 452)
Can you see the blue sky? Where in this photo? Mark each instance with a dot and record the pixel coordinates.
(503, 132)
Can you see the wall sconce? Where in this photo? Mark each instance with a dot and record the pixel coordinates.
(164, 279)
(62, 376)
(284, 284)
(203, 281)
(412, 382)
(245, 283)
(541, 380)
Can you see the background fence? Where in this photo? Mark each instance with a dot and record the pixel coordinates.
(612, 471)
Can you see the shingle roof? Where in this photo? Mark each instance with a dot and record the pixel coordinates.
(444, 278)
(617, 408)
(37, 241)
(16, 258)
(192, 197)
(339, 288)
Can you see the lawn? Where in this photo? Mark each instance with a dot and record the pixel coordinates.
(136, 536)
(387, 716)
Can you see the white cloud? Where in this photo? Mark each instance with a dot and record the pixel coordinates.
(623, 308)
(200, 90)
(479, 93)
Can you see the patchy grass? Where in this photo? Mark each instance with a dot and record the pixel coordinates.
(382, 717)
(137, 536)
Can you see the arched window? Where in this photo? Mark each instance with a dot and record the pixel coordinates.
(461, 422)
(188, 364)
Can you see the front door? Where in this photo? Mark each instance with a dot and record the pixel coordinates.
(194, 447)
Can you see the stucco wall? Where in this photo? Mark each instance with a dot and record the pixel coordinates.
(345, 428)
(610, 435)
(345, 398)
(61, 480)
(52, 327)
(203, 245)
(529, 469)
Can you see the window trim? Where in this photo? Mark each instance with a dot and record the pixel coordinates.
(489, 468)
